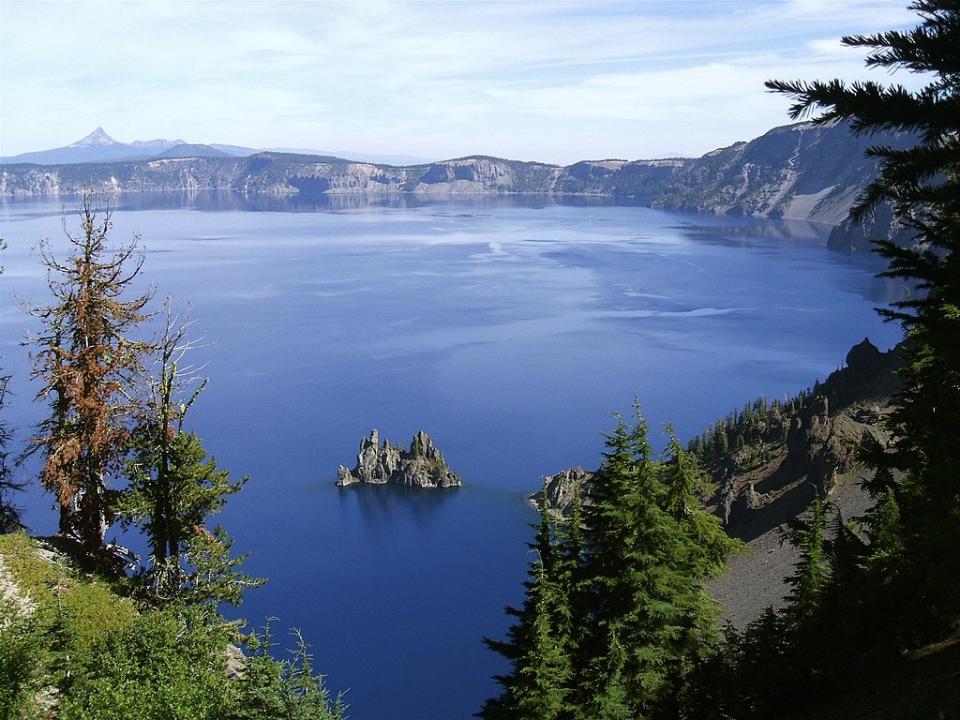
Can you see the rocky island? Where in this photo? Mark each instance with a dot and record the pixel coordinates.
(422, 466)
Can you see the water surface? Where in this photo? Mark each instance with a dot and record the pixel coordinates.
(509, 330)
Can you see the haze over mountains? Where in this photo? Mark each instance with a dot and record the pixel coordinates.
(99, 147)
(797, 172)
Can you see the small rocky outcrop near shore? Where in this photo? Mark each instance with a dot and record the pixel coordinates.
(422, 466)
(563, 487)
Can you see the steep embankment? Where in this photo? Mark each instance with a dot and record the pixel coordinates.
(801, 172)
(768, 461)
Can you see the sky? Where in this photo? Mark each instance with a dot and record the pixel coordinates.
(548, 81)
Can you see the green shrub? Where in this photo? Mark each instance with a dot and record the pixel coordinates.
(22, 657)
(164, 665)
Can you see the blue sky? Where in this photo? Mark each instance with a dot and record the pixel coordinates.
(551, 81)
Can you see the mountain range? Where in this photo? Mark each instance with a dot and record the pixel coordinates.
(801, 172)
(99, 147)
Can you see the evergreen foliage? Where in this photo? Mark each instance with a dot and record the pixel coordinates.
(174, 488)
(21, 650)
(889, 582)
(538, 644)
(9, 514)
(618, 595)
(99, 645)
(83, 651)
(923, 185)
(88, 365)
(810, 574)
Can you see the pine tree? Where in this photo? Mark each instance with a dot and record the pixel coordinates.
(843, 601)
(703, 546)
(807, 627)
(709, 546)
(922, 183)
(811, 571)
(573, 617)
(644, 602)
(762, 671)
(174, 488)
(537, 686)
(9, 515)
(611, 699)
(88, 364)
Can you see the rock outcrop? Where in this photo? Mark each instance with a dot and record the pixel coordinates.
(765, 484)
(422, 466)
(563, 487)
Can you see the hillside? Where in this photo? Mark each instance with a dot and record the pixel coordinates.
(79, 645)
(767, 462)
(799, 172)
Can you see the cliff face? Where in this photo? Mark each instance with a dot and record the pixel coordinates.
(807, 446)
(791, 450)
(421, 466)
(563, 487)
(799, 172)
(802, 172)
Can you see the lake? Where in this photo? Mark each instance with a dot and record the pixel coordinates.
(509, 329)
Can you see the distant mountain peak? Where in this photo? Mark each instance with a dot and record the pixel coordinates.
(97, 137)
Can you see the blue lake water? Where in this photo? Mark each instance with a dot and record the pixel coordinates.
(508, 329)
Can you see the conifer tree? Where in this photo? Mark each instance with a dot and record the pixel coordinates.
(611, 699)
(88, 364)
(805, 623)
(843, 602)
(9, 515)
(811, 571)
(174, 488)
(537, 686)
(708, 545)
(762, 674)
(703, 548)
(644, 604)
(922, 183)
(573, 613)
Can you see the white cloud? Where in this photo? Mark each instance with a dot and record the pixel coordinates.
(552, 81)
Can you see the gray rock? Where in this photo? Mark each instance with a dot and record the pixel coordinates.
(563, 487)
(422, 466)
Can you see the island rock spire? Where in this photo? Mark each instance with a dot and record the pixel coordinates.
(421, 466)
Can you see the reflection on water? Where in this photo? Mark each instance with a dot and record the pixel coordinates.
(232, 201)
(392, 504)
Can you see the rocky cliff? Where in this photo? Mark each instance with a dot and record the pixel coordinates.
(563, 487)
(768, 461)
(799, 172)
(422, 466)
(778, 459)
